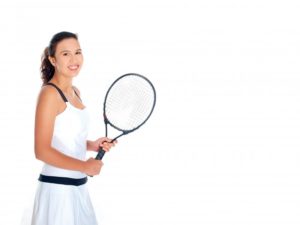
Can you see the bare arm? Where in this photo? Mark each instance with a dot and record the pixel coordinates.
(90, 146)
(48, 106)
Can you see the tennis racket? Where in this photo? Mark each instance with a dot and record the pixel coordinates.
(128, 104)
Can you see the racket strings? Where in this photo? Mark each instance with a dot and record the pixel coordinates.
(129, 102)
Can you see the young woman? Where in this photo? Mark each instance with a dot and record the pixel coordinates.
(61, 127)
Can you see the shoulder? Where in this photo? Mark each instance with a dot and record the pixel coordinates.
(48, 92)
(49, 99)
(47, 108)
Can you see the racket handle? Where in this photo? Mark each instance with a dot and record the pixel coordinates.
(100, 154)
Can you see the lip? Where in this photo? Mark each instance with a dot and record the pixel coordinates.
(73, 67)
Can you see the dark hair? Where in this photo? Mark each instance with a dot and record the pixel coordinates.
(47, 69)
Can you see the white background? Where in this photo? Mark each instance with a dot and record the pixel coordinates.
(222, 146)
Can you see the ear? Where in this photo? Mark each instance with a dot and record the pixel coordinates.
(52, 60)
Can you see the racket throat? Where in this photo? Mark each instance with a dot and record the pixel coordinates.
(101, 152)
(124, 133)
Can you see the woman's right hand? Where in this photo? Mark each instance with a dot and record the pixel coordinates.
(92, 167)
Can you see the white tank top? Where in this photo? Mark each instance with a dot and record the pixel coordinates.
(69, 137)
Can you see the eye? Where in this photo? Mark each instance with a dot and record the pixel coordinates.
(78, 53)
(65, 54)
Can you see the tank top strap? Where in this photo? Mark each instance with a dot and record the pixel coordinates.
(77, 94)
(59, 91)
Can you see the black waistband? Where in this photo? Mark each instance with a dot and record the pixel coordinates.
(63, 180)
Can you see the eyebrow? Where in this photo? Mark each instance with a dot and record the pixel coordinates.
(70, 51)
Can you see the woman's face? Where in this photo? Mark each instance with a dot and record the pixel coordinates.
(68, 58)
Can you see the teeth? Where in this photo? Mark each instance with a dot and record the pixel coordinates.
(73, 67)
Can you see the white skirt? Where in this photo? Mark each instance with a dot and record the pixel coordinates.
(57, 204)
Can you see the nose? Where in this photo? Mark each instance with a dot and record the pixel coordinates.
(73, 59)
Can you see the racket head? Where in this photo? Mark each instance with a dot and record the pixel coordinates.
(129, 102)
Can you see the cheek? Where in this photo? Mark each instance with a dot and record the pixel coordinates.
(80, 59)
(60, 66)
(58, 62)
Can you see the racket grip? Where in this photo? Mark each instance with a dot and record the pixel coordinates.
(100, 154)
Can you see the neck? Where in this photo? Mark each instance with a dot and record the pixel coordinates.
(65, 84)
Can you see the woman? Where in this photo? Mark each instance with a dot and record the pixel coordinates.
(61, 126)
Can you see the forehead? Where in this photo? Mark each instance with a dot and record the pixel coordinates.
(68, 44)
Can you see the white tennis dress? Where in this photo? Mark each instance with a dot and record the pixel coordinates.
(59, 204)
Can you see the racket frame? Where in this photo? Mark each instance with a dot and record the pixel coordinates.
(101, 152)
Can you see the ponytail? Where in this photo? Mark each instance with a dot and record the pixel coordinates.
(47, 69)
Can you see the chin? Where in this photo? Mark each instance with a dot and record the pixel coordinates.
(73, 74)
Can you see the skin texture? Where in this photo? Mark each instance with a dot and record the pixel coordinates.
(67, 61)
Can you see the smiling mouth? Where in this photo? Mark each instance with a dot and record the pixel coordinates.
(73, 67)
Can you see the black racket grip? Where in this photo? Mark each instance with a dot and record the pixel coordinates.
(100, 154)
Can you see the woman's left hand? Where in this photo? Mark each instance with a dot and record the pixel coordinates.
(103, 142)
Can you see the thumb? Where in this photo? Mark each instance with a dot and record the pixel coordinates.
(105, 139)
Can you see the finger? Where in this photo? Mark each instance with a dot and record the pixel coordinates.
(113, 143)
(102, 144)
(106, 139)
(109, 146)
(105, 148)
(106, 145)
